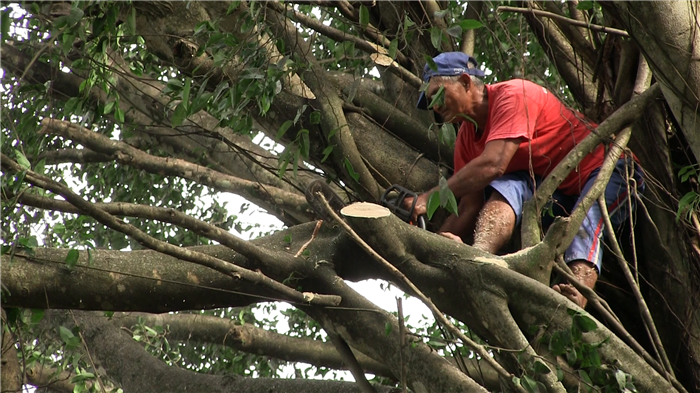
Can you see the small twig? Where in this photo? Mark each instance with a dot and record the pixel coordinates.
(36, 56)
(547, 14)
(313, 236)
(479, 349)
(402, 345)
(643, 309)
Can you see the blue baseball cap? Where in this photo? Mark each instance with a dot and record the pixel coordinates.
(448, 64)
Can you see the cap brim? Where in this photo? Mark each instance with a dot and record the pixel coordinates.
(422, 101)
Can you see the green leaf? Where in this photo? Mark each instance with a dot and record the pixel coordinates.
(529, 384)
(430, 62)
(22, 160)
(433, 204)
(351, 171)
(72, 258)
(75, 15)
(436, 343)
(560, 374)
(131, 22)
(327, 152)
(438, 99)
(586, 379)
(72, 104)
(393, 48)
(82, 377)
(119, 115)
(407, 22)
(174, 84)
(186, 93)
(37, 316)
(315, 117)
(585, 5)
(68, 337)
(621, 379)
(179, 115)
(287, 239)
(447, 135)
(435, 36)
(387, 328)
(441, 13)
(283, 129)
(67, 42)
(232, 7)
(65, 333)
(455, 31)
(541, 368)
(5, 24)
(303, 137)
(470, 24)
(283, 161)
(571, 356)
(300, 112)
(585, 323)
(557, 343)
(364, 16)
(68, 20)
(108, 108)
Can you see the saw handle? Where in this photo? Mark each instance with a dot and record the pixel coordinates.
(395, 205)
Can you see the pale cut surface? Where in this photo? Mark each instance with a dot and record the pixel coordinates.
(365, 210)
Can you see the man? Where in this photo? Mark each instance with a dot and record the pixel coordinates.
(512, 135)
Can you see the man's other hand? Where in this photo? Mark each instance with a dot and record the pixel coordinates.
(452, 236)
(421, 207)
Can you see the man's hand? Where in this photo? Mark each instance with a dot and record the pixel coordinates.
(452, 236)
(421, 205)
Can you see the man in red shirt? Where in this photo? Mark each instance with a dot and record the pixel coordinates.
(512, 135)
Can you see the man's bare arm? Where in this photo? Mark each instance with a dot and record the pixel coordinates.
(478, 173)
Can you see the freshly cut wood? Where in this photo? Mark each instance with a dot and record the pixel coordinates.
(365, 210)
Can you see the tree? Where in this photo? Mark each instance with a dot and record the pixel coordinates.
(120, 117)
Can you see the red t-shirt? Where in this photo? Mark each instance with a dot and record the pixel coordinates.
(522, 109)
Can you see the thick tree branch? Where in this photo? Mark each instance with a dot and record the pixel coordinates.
(355, 213)
(178, 252)
(122, 358)
(248, 338)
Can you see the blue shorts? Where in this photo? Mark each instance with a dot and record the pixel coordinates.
(517, 188)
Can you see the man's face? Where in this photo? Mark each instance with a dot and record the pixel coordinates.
(449, 98)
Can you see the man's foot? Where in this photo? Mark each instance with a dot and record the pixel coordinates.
(586, 273)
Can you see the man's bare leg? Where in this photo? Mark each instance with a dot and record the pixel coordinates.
(586, 274)
(495, 224)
